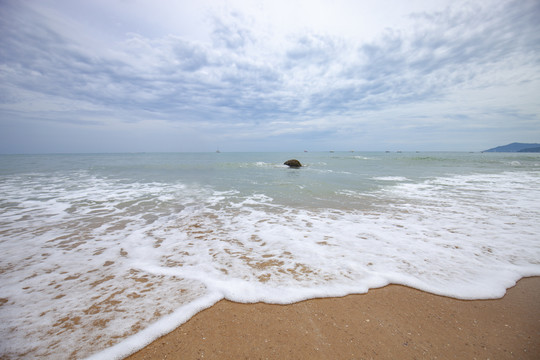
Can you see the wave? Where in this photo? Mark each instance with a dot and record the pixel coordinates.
(390, 178)
(86, 255)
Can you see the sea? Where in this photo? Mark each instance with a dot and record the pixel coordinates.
(102, 253)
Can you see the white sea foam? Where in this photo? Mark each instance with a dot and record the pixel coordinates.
(390, 178)
(362, 158)
(85, 256)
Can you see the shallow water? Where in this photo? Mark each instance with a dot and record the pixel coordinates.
(117, 249)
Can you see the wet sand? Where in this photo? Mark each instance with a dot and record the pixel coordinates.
(394, 322)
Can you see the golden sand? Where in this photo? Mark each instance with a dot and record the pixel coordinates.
(394, 322)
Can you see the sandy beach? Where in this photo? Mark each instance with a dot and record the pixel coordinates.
(387, 323)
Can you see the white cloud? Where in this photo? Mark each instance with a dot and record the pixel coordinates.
(254, 70)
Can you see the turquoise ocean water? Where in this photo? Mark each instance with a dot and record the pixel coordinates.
(106, 252)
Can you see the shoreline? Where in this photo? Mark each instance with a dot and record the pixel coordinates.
(386, 323)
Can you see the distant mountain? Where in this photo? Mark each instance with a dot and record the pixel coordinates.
(514, 147)
(534, 149)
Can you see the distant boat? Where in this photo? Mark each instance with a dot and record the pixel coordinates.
(217, 151)
(331, 151)
(305, 150)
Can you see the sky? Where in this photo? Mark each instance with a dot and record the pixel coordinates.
(281, 75)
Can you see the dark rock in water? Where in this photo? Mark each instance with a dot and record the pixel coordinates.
(293, 163)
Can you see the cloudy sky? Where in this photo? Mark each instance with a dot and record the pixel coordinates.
(166, 75)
